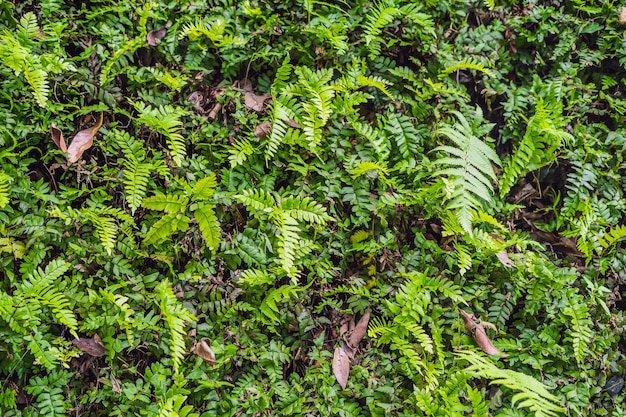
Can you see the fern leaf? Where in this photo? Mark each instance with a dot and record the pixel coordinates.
(165, 227)
(468, 63)
(209, 226)
(166, 202)
(136, 178)
(257, 200)
(204, 188)
(269, 306)
(176, 316)
(376, 82)
(401, 129)
(580, 333)
(533, 394)
(165, 120)
(304, 209)
(44, 353)
(282, 76)
(612, 236)
(469, 171)
(287, 242)
(38, 80)
(4, 189)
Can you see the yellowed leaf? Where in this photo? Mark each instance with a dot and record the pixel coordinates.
(91, 346)
(57, 137)
(203, 349)
(341, 366)
(81, 142)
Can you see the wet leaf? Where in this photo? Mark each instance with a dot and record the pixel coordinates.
(154, 36)
(254, 101)
(341, 366)
(203, 349)
(57, 137)
(81, 142)
(91, 346)
(473, 325)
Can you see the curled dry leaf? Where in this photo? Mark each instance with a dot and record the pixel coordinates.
(154, 36)
(477, 329)
(57, 137)
(263, 130)
(503, 257)
(341, 365)
(203, 349)
(622, 15)
(81, 142)
(91, 346)
(357, 333)
(254, 101)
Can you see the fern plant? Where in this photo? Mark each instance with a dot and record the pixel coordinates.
(538, 148)
(468, 168)
(532, 393)
(177, 206)
(177, 318)
(285, 213)
(165, 120)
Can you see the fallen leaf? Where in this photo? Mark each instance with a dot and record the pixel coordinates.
(214, 111)
(622, 15)
(473, 325)
(341, 366)
(57, 137)
(503, 257)
(116, 385)
(81, 142)
(263, 130)
(203, 349)
(91, 346)
(293, 123)
(197, 99)
(154, 36)
(358, 332)
(254, 101)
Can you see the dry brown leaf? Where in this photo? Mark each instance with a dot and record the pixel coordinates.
(203, 349)
(154, 36)
(57, 137)
(116, 385)
(81, 142)
(293, 123)
(477, 329)
(622, 15)
(341, 366)
(91, 346)
(254, 101)
(503, 257)
(263, 130)
(359, 331)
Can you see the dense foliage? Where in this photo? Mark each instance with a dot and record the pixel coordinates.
(267, 172)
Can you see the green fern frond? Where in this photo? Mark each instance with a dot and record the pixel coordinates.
(4, 189)
(209, 226)
(375, 137)
(581, 332)
(169, 203)
(284, 109)
(38, 80)
(532, 393)
(613, 236)
(204, 188)
(45, 354)
(136, 178)
(257, 200)
(40, 285)
(282, 76)
(269, 306)
(176, 316)
(255, 277)
(304, 209)
(165, 227)
(470, 63)
(406, 136)
(288, 241)
(380, 15)
(165, 120)
(537, 148)
(468, 168)
(375, 81)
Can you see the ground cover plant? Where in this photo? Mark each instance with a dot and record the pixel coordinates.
(308, 208)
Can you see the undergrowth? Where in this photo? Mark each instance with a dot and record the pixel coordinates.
(268, 171)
